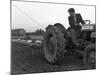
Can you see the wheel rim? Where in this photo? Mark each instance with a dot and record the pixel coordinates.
(51, 45)
(92, 57)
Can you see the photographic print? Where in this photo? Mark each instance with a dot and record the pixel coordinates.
(52, 37)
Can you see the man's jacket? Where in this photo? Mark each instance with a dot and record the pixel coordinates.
(78, 20)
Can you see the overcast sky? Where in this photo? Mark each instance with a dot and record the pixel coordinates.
(32, 16)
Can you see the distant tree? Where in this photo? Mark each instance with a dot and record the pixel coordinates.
(39, 32)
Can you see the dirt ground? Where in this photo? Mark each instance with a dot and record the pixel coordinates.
(25, 59)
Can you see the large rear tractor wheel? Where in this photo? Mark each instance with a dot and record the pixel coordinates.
(90, 56)
(54, 44)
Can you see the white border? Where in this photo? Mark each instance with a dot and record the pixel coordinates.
(5, 37)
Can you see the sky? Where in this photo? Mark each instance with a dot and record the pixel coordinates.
(32, 16)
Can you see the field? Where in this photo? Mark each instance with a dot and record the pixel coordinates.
(25, 59)
(32, 37)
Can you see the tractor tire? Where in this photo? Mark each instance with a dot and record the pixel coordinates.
(89, 57)
(54, 45)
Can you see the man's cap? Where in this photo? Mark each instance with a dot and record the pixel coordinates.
(71, 10)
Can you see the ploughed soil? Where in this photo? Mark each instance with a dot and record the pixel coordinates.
(25, 59)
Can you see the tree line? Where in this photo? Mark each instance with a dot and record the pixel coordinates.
(21, 32)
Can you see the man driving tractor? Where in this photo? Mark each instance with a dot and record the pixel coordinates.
(75, 22)
(78, 39)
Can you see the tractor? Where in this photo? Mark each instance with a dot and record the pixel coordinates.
(58, 41)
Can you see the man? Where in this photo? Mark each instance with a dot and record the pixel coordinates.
(75, 22)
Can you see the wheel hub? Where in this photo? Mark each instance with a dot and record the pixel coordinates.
(92, 57)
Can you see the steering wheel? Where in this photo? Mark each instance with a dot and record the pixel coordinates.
(87, 21)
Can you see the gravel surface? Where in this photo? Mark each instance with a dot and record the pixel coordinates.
(25, 59)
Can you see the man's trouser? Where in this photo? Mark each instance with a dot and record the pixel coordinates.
(74, 32)
(73, 36)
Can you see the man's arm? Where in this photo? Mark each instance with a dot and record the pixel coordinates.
(81, 19)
